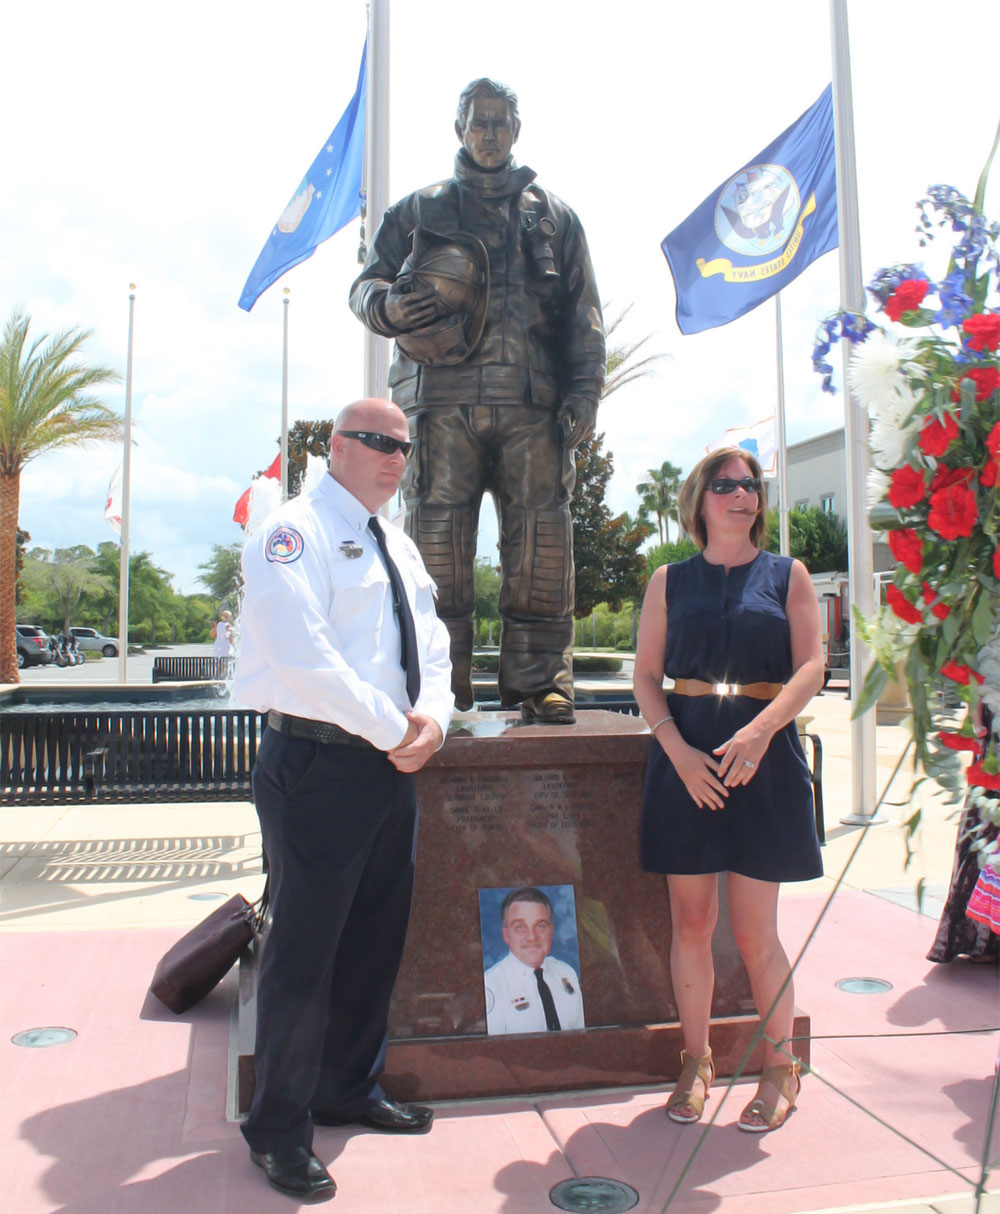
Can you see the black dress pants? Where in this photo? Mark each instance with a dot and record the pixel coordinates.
(339, 825)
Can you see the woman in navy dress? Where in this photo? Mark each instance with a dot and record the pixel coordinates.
(727, 785)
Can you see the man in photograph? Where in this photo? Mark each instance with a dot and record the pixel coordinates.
(528, 990)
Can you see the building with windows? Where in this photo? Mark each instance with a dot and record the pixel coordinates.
(817, 476)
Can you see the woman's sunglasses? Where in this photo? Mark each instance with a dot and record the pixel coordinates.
(384, 444)
(728, 484)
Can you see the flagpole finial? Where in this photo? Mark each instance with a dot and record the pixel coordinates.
(287, 290)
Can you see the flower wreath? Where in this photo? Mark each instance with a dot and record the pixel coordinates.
(933, 399)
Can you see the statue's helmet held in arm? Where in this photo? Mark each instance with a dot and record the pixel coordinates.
(456, 268)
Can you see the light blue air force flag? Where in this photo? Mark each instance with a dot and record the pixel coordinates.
(761, 228)
(328, 197)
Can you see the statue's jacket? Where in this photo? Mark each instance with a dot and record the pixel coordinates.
(543, 338)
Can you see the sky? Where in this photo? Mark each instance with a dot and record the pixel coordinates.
(159, 145)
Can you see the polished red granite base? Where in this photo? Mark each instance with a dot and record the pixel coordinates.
(505, 805)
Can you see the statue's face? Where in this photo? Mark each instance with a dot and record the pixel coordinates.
(488, 134)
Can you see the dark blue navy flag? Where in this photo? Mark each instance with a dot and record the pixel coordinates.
(761, 228)
(328, 197)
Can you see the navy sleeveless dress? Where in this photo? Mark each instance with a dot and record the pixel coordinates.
(730, 628)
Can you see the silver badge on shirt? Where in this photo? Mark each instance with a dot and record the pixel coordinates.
(350, 549)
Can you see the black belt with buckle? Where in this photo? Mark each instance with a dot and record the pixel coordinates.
(318, 731)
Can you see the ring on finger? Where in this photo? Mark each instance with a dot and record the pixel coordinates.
(748, 763)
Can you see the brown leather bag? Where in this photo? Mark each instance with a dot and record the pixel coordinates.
(202, 958)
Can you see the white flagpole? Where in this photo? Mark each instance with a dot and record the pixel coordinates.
(376, 183)
(126, 504)
(852, 299)
(784, 543)
(284, 398)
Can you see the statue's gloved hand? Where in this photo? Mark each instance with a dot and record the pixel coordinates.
(407, 309)
(577, 418)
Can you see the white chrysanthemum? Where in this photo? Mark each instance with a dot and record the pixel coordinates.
(877, 486)
(889, 441)
(876, 374)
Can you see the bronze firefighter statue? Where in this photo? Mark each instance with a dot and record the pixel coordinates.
(486, 284)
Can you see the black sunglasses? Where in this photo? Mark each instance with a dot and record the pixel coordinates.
(384, 444)
(728, 484)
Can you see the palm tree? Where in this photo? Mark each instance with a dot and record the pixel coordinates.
(659, 495)
(620, 368)
(45, 403)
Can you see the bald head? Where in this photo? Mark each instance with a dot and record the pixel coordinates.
(372, 413)
(370, 475)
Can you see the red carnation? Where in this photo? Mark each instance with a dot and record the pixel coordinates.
(987, 380)
(983, 329)
(953, 512)
(946, 477)
(959, 741)
(936, 437)
(907, 488)
(907, 547)
(938, 609)
(992, 466)
(960, 673)
(907, 296)
(902, 606)
(979, 777)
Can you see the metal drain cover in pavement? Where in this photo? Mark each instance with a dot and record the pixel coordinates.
(863, 986)
(205, 897)
(593, 1193)
(38, 1039)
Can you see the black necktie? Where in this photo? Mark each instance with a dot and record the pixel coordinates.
(408, 658)
(551, 1016)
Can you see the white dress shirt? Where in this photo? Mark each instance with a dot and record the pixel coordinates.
(513, 1002)
(319, 637)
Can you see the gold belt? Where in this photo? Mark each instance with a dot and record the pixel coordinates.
(697, 687)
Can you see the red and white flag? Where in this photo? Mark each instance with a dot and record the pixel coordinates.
(241, 514)
(113, 506)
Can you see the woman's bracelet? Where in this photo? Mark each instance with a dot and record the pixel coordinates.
(661, 721)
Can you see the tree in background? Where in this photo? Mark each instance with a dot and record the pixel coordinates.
(305, 439)
(223, 576)
(487, 591)
(659, 496)
(609, 566)
(817, 539)
(62, 578)
(670, 554)
(45, 403)
(19, 550)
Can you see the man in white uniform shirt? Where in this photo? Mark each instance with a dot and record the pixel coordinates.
(528, 991)
(342, 648)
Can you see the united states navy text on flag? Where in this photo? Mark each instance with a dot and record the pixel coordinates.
(327, 197)
(761, 228)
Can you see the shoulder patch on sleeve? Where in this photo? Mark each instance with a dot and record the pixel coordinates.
(284, 546)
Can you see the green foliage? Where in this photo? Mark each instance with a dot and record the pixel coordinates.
(60, 579)
(305, 438)
(609, 566)
(606, 628)
(817, 539)
(487, 590)
(669, 554)
(222, 575)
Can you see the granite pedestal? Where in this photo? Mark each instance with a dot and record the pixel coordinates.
(505, 805)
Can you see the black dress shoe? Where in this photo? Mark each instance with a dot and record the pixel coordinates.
(297, 1172)
(383, 1115)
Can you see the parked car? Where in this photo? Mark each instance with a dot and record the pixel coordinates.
(32, 646)
(90, 638)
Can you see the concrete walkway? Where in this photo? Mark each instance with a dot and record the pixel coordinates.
(131, 1115)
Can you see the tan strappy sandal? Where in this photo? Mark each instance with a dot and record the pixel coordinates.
(693, 1071)
(786, 1082)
